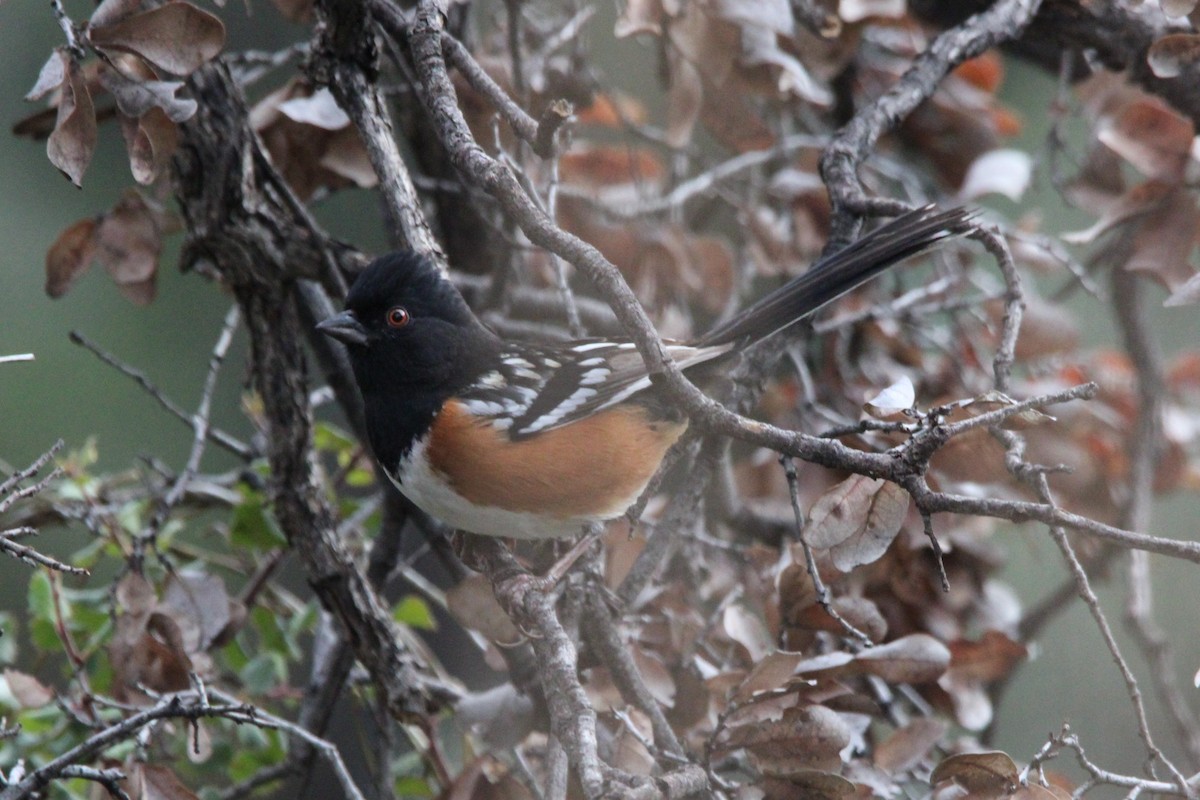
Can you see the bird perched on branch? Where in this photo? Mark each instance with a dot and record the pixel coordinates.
(533, 441)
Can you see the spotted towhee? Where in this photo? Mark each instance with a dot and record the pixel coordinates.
(533, 441)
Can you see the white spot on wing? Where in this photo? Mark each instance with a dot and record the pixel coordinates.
(528, 374)
(493, 380)
(593, 376)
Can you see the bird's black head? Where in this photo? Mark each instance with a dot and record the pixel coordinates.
(405, 324)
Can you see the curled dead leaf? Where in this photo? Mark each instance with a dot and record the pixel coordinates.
(809, 784)
(917, 658)
(73, 140)
(136, 97)
(128, 245)
(857, 520)
(27, 690)
(177, 36)
(51, 76)
(1170, 55)
(155, 782)
(985, 776)
(70, 256)
(895, 399)
(806, 738)
(906, 747)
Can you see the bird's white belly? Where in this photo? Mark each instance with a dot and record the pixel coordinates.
(430, 492)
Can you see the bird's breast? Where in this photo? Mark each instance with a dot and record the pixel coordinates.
(472, 476)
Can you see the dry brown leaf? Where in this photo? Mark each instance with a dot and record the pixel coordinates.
(810, 785)
(70, 256)
(110, 11)
(894, 399)
(598, 166)
(472, 602)
(136, 97)
(809, 737)
(177, 36)
(51, 76)
(1170, 55)
(1178, 8)
(986, 776)
(906, 747)
(656, 676)
(155, 782)
(128, 245)
(1163, 244)
(150, 141)
(1004, 171)
(773, 671)
(199, 603)
(1143, 199)
(158, 662)
(73, 140)
(857, 520)
(917, 658)
(320, 110)
(27, 690)
(747, 629)
(991, 658)
(346, 155)
(1151, 136)
(829, 665)
(1047, 329)
(1186, 294)
(860, 612)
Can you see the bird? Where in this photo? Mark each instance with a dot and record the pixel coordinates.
(535, 441)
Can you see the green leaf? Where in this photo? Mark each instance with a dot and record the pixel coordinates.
(41, 596)
(411, 786)
(253, 525)
(8, 638)
(305, 621)
(271, 635)
(41, 606)
(330, 439)
(414, 612)
(235, 655)
(360, 477)
(264, 672)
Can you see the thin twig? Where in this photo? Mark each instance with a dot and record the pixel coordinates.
(1145, 446)
(810, 561)
(200, 420)
(1083, 585)
(219, 437)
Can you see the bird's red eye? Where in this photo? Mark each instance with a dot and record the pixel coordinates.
(398, 317)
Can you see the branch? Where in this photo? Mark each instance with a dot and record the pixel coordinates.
(842, 158)
(188, 705)
(1146, 445)
(220, 437)
(12, 492)
(225, 196)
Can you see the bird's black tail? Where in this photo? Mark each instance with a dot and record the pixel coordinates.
(846, 269)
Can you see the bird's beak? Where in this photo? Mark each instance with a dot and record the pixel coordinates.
(344, 327)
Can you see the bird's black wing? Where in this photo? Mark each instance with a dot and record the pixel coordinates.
(540, 388)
